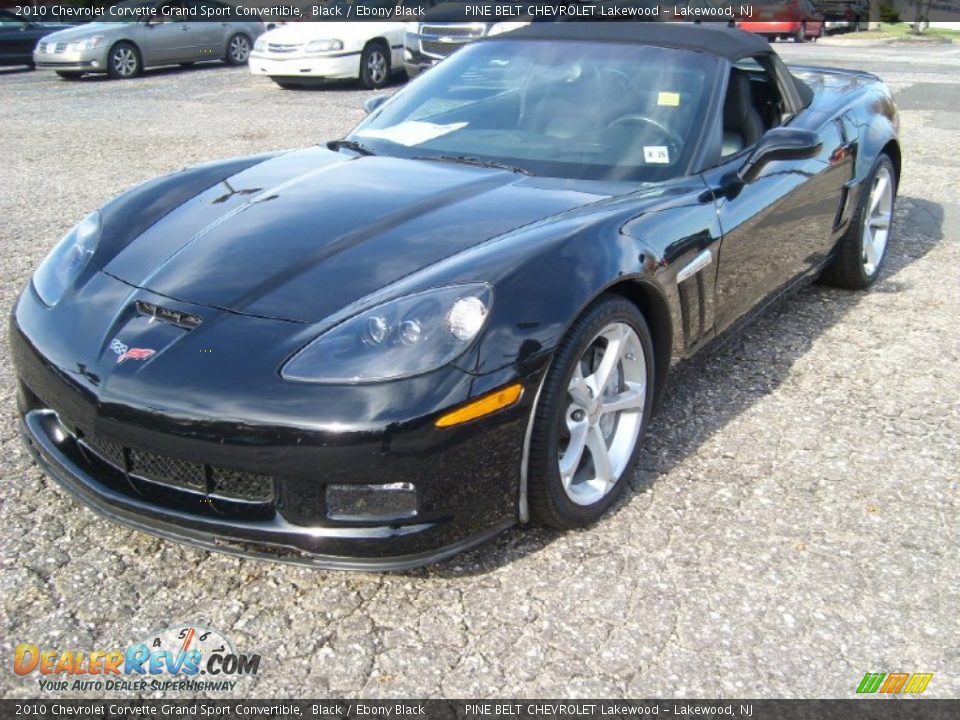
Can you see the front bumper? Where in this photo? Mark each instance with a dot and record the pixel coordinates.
(415, 62)
(467, 477)
(91, 61)
(334, 67)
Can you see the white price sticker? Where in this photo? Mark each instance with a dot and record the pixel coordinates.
(656, 154)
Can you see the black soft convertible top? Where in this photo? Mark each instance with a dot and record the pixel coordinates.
(720, 40)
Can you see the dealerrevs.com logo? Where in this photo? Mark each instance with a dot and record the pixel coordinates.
(894, 683)
(186, 657)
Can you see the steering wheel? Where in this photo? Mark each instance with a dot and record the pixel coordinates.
(675, 140)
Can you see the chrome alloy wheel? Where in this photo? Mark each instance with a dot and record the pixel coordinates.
(124, 61)
(602, 423)
(876, 224)
(376, 66)
(239, 49)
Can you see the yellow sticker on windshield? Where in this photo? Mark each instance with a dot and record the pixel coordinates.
(670, 99)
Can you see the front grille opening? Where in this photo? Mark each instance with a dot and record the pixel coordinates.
(241, 484)
(167, 470)
(182, 484)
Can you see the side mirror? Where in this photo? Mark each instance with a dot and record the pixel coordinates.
(375, 102)
(781, 143)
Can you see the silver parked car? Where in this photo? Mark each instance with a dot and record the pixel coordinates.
(157, 34)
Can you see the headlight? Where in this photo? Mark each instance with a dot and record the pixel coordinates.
(317, 46)
(67, 260)
(408, 336)
(87, 43)
(260, 45)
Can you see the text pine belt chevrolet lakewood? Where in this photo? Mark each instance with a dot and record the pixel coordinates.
(376, 352)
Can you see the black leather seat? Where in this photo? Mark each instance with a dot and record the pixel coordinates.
(742, 124)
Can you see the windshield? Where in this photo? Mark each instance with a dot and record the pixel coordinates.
(566, 109)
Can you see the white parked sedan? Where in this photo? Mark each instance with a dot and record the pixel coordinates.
(300, 53)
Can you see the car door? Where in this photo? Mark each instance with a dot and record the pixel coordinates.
(168, 39)
(781, 225)
(210, 36)
(16, 39)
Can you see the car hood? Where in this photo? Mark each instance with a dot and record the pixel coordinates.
(306, 31)
(80, 32)
(301, 235)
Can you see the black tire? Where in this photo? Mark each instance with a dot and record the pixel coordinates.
(123, 61)
(847, 269)
(549, 502)
(69, 75)
(801, 35)
(238, 49)
(375, 66)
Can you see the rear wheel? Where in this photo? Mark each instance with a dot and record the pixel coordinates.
(238, 49)
(591, 416)
(374, 66)
(863, 247)
(124, 61)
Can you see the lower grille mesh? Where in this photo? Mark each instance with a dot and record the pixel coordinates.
(177, 473)
(238, 483)
(168, 470)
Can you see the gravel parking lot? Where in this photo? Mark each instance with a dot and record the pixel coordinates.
(793, 520)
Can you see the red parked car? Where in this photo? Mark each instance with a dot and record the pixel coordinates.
(797, 19)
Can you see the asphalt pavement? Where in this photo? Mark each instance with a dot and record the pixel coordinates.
(792, 522)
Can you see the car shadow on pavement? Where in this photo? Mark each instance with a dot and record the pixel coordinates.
(15, 70)
(307, 84)
(708, 391)
(148, 73)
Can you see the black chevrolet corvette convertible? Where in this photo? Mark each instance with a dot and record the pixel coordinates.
(376, 352)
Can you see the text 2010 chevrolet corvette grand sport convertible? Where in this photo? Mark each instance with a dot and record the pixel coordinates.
(379, 351)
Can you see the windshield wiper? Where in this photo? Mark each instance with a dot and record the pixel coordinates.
(471, 160)
(358, 148)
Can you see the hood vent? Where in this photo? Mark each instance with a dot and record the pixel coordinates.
(170, 317)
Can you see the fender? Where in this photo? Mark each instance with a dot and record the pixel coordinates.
(879, 124)
(635, 247)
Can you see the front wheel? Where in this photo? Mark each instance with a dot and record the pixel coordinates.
(863, 247)
(238, 49)
(374, 67)
(591, 416)
(123, 62)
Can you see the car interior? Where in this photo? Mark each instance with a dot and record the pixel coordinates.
(577, 112)
(752, 106)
